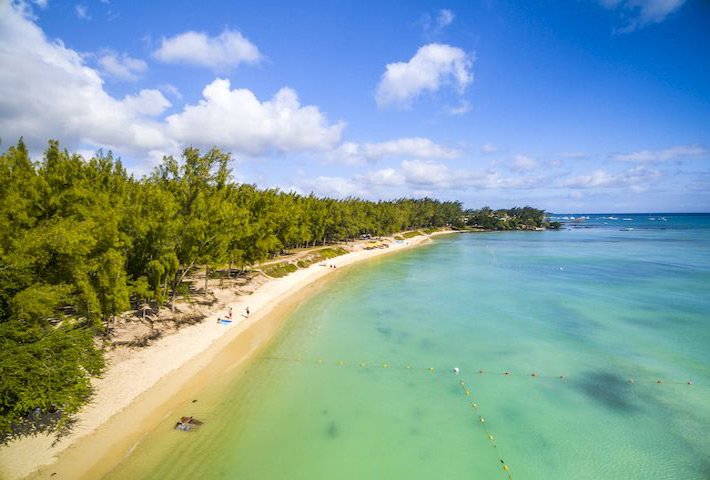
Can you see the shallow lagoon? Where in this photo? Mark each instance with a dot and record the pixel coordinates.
(359, 383)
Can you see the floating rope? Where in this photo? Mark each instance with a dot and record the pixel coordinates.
(492, 373)
(489, 435)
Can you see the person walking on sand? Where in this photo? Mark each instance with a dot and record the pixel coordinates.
(247, 311)
(229, 313)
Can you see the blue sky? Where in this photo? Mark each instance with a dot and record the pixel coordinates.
(587, 106)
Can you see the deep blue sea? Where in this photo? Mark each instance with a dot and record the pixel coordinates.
(581, 354)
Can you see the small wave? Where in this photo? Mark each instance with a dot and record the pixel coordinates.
(627, 219)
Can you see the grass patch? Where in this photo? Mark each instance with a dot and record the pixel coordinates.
(321, 255)
(278, 270)
(429, 231)
(415, 233)
(399, 237)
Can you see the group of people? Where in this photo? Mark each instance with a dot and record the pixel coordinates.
(230, 313)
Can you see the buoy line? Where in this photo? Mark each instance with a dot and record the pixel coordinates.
(491, 373)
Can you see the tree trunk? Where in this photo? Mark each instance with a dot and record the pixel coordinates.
(207, 277)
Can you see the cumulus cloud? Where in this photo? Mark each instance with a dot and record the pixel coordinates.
(75, 108)
(147, 102)
(523, 163)
(121, 66)
(427, 174)
(237, 120)
(639, 13)
(337, 187)
(72, 104)
(228, 49)
(388, 177)
(352, 153)
(635, 179)
(657, 156)
(433, 66)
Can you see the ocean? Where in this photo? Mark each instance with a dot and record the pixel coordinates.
(578, 354)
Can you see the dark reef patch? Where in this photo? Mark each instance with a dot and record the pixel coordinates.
(608, 389)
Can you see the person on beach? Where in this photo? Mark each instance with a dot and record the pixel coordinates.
(247, 311)
(229, 314)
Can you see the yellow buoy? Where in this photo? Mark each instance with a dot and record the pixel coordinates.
(506, 467)
(384, 365)
(483, 420)
(431, 369)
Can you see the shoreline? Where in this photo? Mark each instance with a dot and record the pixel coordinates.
(156, 379)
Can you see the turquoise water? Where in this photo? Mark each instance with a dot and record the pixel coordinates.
(600, 303)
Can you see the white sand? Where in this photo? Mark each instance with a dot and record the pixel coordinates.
(142, 369)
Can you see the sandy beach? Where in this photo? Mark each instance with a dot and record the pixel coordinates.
(144, 386)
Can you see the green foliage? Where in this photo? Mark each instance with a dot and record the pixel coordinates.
(411, 234)
(44, 370)
(278, 270)
(80, 239)
(517, 218)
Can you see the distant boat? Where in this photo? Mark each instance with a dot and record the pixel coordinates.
(612, 218)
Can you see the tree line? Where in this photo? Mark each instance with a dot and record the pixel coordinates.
(83, 240)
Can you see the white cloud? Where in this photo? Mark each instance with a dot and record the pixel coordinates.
(228, 49)
(489, 148)
(639, 13)
(657, 156)
(420, 173)
(463, 107)
(636, 179)
(237, 120)
(523, 163)
(432, 67)
(426, 174)
(147, 102)
(74, 107)
(445, 18)
(121, 66)
(388, 177)
(351, 153)
(338, 187)
(171, 90)
(433, 27)
(82, 11)
(50, 93)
